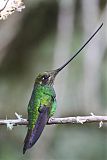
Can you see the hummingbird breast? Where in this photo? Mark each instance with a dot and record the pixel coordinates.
(41, 107)
(42, 95)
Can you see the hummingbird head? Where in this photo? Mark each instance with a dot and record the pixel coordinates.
(47, 77)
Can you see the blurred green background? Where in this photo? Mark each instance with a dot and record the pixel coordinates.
(42, 37)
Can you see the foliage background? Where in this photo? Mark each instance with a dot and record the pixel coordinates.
(43, 37)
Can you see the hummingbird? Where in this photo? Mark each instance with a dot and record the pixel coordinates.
(42, 104)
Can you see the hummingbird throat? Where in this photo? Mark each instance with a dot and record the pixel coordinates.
(64, 65)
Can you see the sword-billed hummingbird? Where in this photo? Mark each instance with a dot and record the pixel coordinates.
(42, 104)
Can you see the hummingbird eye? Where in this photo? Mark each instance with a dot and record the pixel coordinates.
(45, 77)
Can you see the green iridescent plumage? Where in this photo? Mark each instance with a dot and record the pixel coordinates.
(42, 104)
(42, 95)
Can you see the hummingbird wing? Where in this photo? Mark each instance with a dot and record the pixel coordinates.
(39, 111)
(34, 134)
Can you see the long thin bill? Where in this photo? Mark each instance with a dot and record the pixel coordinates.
(59, 69)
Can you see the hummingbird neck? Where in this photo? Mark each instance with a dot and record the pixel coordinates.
(63, 66)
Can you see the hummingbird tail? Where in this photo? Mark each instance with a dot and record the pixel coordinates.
(34, 134)
(26, 141)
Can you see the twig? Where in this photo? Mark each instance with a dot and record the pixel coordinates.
(71, 120)
(78, 119)
(9, 7)
(4, 6)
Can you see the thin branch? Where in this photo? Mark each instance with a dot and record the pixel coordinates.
(78, 119)
(4, 6)
(9, 7)
(71, 120)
